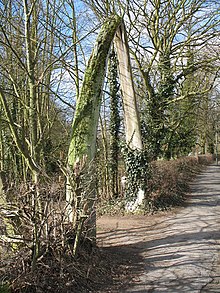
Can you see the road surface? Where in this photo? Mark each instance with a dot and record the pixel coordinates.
(178, 251)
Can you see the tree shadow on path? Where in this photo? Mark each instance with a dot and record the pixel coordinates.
(176, 252)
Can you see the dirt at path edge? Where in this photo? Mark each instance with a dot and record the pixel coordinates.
(176, 251)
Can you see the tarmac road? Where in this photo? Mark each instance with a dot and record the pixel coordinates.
(178, 252)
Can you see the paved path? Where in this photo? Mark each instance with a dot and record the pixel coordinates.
(178, 252)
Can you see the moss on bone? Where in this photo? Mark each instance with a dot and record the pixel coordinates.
(84, 128)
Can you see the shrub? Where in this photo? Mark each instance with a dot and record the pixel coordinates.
(170, 181)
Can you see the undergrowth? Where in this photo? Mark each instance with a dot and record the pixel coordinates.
(167, 186)
(57, 270)
(170, 182)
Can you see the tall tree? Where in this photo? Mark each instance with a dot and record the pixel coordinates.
(33, 49)
(162, 33)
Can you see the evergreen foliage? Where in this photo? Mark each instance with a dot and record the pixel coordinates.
(137, 170)
(114, 125)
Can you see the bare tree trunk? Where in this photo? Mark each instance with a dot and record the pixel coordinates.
(105, 166)
(31, 80)
(75, 53)
(1, 149)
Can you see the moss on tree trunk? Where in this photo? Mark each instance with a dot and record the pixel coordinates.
(84, 128)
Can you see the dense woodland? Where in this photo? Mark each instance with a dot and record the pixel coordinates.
(92, 92)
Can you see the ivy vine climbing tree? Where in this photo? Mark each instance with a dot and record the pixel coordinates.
(114, 123)
(134, 155)
(133, 135)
